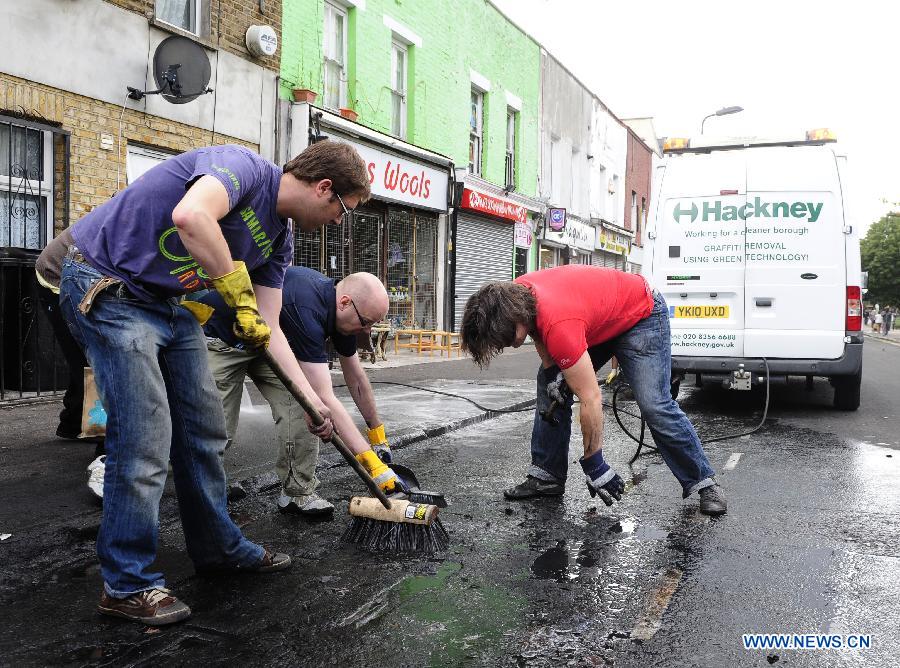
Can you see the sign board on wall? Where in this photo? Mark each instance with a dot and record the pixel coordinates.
(613, 242)
(403, 180)
(556, 219)
(576, 235)
(523, 235)
(493, 206)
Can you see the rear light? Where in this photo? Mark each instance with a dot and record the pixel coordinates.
(854, 308)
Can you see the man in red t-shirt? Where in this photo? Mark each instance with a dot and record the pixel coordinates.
(579, 317)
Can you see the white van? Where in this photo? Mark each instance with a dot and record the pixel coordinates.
(751, 245)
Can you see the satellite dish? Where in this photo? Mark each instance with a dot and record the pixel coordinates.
(181, 69)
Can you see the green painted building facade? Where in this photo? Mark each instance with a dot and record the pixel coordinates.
(456, 78)
(457, 36)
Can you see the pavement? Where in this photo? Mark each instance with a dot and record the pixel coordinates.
(892, 337)
(808, 545)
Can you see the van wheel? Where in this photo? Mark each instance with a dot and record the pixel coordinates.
(846, 392)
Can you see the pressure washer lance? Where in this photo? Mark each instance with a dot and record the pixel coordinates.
(395, 524)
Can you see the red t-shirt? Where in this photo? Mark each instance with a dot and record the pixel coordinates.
(579, 306)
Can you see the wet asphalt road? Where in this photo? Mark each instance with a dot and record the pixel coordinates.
(810, 545)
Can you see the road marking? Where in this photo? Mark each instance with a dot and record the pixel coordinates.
(732, 461)
(651, 622)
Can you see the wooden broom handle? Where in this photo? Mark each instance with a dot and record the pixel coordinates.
(317, 419)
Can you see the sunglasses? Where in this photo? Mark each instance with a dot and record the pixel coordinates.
(363, 323)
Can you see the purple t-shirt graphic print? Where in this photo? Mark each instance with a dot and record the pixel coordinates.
(132, 237)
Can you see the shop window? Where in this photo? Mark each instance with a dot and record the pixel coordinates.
(511, 116)
(182, 14)
(335, 56)
(410, 268)
(365, 239)
(26, 186)
(548, 257)
(399, 60)
(521, 265)
(476, 127)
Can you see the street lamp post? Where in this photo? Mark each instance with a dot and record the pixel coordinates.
(724, 111)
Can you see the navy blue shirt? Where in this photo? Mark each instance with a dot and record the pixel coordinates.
(309, 304)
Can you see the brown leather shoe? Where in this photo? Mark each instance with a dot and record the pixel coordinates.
(270, 562)
(156, 607)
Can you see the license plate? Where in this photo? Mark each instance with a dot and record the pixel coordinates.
(698, 311)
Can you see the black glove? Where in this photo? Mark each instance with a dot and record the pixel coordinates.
(557, 389)
(601, 478)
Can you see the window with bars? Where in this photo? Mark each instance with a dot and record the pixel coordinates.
(511, 116)
(335, 53)
(476, 123)
(399, 60)
(26, 186)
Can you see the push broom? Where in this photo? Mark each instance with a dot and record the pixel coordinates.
(380, 523)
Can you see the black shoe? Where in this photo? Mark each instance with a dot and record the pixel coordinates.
(712, 501)
(234, 492)
(68, 433)
(533, 487)
(270, 563)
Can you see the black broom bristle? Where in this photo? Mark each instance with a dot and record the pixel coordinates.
(381, 536)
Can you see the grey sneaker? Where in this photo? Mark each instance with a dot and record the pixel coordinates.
(156, 607)
(533, 487)
(712, 501)
(311, 505)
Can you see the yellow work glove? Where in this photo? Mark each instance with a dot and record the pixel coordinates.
(379, 443)
(202, 312)
(237, 291)
(381, 473)
(612, 376)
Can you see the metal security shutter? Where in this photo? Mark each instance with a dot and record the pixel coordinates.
(484, 253)
(604, 259)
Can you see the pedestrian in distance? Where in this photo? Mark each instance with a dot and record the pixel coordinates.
(579, 317)
(215, 216)
(315, 310)
(878, 323)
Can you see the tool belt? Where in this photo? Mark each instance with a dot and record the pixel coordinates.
(120, 290)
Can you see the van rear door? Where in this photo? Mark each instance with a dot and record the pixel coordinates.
(796, 279)
(698, 260)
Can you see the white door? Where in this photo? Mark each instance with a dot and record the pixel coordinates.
(698, 255)
(796, 279)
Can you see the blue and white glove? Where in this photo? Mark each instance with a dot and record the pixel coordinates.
(601, 478)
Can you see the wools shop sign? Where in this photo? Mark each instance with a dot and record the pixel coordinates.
(400, 179)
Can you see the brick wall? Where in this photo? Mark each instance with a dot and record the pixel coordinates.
(228, 21)
(93, 170)
(637, 180)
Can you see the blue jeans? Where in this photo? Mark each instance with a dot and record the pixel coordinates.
(149, 361)
(645, 358)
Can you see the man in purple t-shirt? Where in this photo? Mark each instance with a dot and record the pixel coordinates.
(215, 217)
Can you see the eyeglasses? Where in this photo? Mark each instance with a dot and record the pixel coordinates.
(362, 322)
(347, 212)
